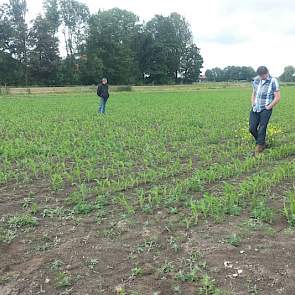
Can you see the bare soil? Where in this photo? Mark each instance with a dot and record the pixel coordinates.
(101, 258)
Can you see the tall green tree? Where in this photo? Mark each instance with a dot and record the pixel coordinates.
(18, 11)
(44, 45)
(160, 65)
(171, 44)
(191, 64)
(112, 40)
(13, 42)
(6, 30)
(181, 32)
(52, 15)
(44, 53)
(74, 16)
(11, 70)
(288, 74)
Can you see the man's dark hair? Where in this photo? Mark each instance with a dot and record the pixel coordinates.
(262, 70)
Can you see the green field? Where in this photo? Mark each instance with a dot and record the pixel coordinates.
(160, 196)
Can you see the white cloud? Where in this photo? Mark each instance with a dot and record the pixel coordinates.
(229, 32)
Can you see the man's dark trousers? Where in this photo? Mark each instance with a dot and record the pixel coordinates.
(102, 106)
(258, 125)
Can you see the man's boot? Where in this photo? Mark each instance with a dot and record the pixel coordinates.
(259, 149)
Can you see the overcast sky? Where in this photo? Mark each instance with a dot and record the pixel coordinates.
(228, 32)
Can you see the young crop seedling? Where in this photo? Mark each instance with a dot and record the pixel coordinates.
(7, 235)
(56, 264)
(289, 208)
(83, 208)
(63, 280)
(136, 272)
(166, 268)
(57, 182)
(261, 211)
(234, 240)
(147, 246)
(188, 276)
(122, 200)
(91, 263)
(174, 244)
(147, 184)
(22, 220)
(208, 286)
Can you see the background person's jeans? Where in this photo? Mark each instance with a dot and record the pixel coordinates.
(258, 125)
(102, 105)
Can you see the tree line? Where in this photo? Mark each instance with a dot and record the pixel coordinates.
(112, 43)
(235, 73)
(230, 73)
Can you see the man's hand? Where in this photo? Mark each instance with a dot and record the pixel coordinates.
(275, 102)
(253, 99)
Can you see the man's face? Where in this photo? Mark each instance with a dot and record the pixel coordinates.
(263, 77)
(104, 81)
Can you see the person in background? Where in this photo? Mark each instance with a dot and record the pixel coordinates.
(103, 93)
(265, 96)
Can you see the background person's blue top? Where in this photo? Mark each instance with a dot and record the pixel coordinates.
(264, 92)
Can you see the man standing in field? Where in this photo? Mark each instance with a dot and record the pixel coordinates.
(265, 96)
(103, 93)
